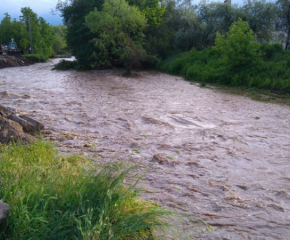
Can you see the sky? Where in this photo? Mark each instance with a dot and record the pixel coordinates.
(43, 8)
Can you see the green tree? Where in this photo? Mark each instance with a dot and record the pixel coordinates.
(46, 40)
(284, 17)
(6, 28)
(260, 15)
(20, 35)
(239, 48)
(41, 32)
(119, 28)
(216, 17)
(79, 36)
(59, 39)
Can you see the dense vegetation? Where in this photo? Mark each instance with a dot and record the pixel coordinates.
(58, 197)
(194, 41)
(46, 40)
(237, 60)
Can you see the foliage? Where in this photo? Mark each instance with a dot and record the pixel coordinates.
(37, 57)
(239, 48)
(119, 28)
(78, 35)
(66, 65)
(260, 15)
(18, 30)
(216, 17)
(41, 32)
(236, 60)
(59, 42)
(172, 26)
(284, 18)
(57, 197)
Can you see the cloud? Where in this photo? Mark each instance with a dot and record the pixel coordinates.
(41, 7)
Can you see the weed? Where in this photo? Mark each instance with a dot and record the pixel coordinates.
(135, 150)
(144, 136)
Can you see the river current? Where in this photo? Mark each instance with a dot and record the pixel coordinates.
(219, 157)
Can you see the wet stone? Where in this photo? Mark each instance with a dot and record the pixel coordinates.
(4, 211)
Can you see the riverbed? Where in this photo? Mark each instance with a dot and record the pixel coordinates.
(219, 157)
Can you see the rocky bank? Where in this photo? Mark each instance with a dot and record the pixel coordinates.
(15, 61)
(14, 127)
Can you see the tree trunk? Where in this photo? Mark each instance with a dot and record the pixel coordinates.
(288, 30)
(287, 39)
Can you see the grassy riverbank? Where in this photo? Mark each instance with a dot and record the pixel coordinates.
(57, 197)
(207, 67)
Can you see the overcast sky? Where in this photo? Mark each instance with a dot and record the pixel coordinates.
(43, 8)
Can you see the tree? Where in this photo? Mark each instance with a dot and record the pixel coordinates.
(119, 29)
(40, 31)
(190, 30)
(59, 39)
(79, 36)
(239, 48)
(46, 40)
(284, 17)
(6, 29)
(216, 17)
(260, 15)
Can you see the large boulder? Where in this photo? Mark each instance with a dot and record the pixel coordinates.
(4, 211)
(11, 131)
(15, 127)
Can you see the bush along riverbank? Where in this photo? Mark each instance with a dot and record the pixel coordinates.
(235, 60)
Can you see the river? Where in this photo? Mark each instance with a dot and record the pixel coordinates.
(219, 157)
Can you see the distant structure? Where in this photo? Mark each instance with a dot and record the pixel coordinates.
(229, 2)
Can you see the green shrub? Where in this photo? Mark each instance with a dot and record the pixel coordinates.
(270, 50)
(57, 197)
(236, 60)
(239, 47)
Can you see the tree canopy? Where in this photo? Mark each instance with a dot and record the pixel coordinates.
(101, 33)
(41, 31)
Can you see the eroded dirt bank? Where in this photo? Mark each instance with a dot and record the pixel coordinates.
(15, 61)
(220, 157)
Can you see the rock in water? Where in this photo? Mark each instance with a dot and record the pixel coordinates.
(37, 125)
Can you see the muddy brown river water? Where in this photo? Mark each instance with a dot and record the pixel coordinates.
(219, 157)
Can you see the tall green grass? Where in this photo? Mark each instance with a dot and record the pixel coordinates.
(57, 197)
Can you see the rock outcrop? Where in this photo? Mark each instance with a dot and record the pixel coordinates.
(14, 127)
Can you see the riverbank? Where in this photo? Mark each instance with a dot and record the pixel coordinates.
(17, 61)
